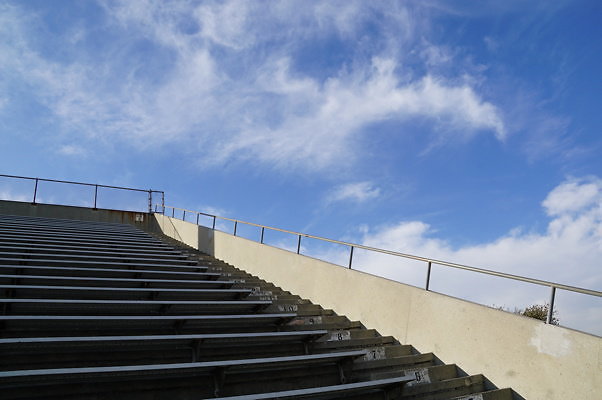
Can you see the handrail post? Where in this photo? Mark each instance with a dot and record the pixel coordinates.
(163, 202)
(173, 212)
(197, 218)
(351, 257)
(299, 245)
(428, 275)
(183, 215)
(35, 192)
(235, 226)
(551, 306)
(213, 227)
(262, 230)
(150, 201)
(95, 195)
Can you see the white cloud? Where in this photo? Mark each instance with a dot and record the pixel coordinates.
(568, 252)
(270, 111)
(322, 133)
(71, 150)
(358, 192)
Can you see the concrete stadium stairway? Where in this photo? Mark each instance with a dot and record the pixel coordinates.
(95, 310)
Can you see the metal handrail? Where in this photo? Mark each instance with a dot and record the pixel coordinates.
(430, 261)
(96, 186)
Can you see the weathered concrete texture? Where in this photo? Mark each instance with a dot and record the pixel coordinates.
(538, 361)
(138, 219)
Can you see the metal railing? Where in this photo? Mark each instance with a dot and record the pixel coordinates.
(429, 261)
(95, 185)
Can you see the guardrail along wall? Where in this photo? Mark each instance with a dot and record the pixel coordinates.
(539, 361)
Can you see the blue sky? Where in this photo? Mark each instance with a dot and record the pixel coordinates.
(469, 131)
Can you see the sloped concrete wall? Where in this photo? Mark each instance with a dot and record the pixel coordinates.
(539, 361)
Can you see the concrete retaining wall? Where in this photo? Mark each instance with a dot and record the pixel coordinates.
(138, 219)
(538, 361)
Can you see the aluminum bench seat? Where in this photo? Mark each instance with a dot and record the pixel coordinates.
(80, 237)
(327, 392)
(212, 338)
(106, 272)
(29, 248)
(89, 325)
(58, 233)
(8, 238)
(98, 292)
(58, 221)
(133, 233)
(208, 367)
(88, 351)
(26, 255)
(49, 280)
(127, 307)
(66, 262)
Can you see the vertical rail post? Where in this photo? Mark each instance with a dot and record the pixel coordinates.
(551, 306)
(150, 201)
(428, 275)
(183, 215)
(235, 226)
(197, 218)
(35, 192)
(262, 230)
(173, 212)
(163, 202)
(95, 195)
(299, 245)
(350, 257)
(155, 207)
(213, 227)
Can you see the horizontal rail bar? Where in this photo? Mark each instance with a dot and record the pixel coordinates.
(80, 183)
(417, 258)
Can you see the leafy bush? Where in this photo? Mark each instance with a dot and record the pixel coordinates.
(537, 311)
(540, 312)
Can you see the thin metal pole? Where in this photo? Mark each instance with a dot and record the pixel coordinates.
(428, 275)
(155, 207)
(35, 191)
(95, 195)
(197, 218)
(163, 202)
(299, 245)
(173, 212)
(183, 215)
(150, 201)
(213, 227)
(235, 225)
(551, 306)
(350, 257)
(262, 230)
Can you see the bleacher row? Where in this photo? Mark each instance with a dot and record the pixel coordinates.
(95, 310)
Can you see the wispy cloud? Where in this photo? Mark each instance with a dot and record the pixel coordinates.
(236, 88)
(357, 192)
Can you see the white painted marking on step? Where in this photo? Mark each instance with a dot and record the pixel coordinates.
(288, 307)
(312, 320)
(339, 335)
(376, 353)
(420, 376)
(268, 298)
